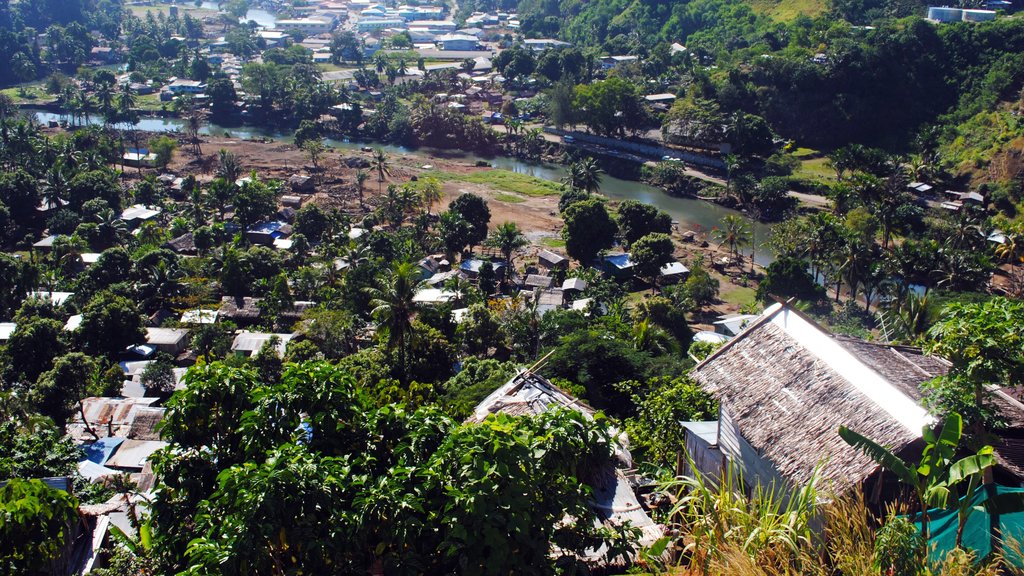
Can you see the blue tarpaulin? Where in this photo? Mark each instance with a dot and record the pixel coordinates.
(981, 531)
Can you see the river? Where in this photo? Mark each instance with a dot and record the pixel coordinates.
(258, 15)
(690, 213)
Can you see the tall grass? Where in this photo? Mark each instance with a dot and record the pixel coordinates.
(725, 528)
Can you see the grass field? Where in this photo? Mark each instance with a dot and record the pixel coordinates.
(787, 10)
(32, 93)
(504, 180)
(509, 198)
(815, 169)
(736, 294)
(140, 11)
(552, 242)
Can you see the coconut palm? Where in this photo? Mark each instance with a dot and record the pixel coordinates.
(735, 232)
(430, 193)
(584, 175)
(229, 169)
(506, 238)
(381, 166)
(55, 186)
(361, 176)
(110, 229)
(393, 308)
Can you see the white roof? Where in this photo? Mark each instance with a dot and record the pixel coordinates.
(574, 284)
(735, 323)
(283, 243)
(710, 337)
(251, 342)
(167, 336)
(55, 298)
(456, 37)
(90, 258)
(73, 322)
(199, 316)
(459, 314)
(6, 329)
(139, 212)
(673, 269)
(354, 233)
(659, 97)
(433, 296)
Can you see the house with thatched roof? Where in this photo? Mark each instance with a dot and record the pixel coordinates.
(614, 499)
(785, 385)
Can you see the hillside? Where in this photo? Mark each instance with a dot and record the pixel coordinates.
(788, 10)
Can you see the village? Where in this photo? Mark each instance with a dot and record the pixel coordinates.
(357, 287)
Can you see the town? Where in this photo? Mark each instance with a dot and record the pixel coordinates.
(722, 287)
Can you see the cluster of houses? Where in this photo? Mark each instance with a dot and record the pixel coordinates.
(545, 285)
(785, 385)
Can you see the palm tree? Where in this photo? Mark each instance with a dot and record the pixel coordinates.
(507, 238)
(55, 185)
(393, 308)
(84, 105)
(361, 176)
(229, 168)
(584, 175)
(110, 228)
(735, 232)
(380, 165)
(430, 193)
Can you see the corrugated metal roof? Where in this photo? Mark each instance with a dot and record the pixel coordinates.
(101, 450)
(133, 454)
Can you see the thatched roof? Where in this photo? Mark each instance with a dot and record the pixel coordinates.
(788, 385)
(184, 244)
(246, 309)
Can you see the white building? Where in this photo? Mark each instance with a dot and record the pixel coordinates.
(372, 24)
(180, 86)
(307, 26)
(457, 42)
(540, 44)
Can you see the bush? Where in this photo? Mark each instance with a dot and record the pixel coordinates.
(899, 548)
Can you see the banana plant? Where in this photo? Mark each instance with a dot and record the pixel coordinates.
(930, 477)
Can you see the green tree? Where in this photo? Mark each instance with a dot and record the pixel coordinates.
(254, 203)
(610, 107)
(788, 277)
(637, 219)
(588, 230)
(507, 238)
(110, 324)
(393, 308)
(164, 148)
(33, 346)
(380, 164)
(650, 253)
(454, 232)
(655, 434)
(35, 523)
(57, 392)
(20, 193)
(158, 376)
(475, 212)
(584, 175)
(984, 343)
(735, 232)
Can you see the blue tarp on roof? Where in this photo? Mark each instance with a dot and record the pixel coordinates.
(980, 530)
(101, 450)
(266, 227)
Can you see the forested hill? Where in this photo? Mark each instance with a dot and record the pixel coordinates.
(865, 71)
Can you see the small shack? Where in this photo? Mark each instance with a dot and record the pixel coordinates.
(170, 340)
(552, 261)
